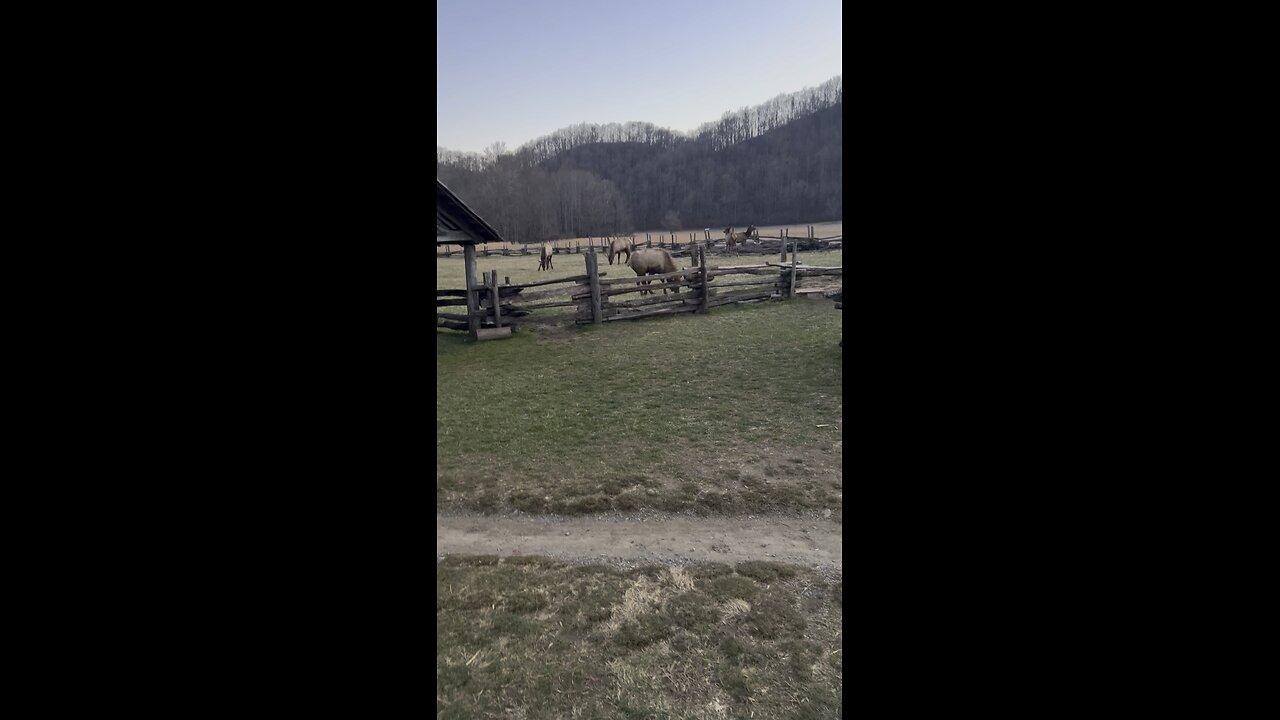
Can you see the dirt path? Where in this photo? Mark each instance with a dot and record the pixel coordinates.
(671, 539)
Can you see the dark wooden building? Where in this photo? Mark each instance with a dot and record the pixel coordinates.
(457, 224)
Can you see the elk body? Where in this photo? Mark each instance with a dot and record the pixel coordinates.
(654, 261)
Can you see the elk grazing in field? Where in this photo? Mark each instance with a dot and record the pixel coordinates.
(620, 246)
(732, 238)
(545, 262)
(654, 261)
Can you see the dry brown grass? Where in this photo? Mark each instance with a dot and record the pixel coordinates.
(631, 644)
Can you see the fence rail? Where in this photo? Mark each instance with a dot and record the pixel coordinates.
(594, 299)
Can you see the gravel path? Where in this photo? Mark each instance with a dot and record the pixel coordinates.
(633, 540)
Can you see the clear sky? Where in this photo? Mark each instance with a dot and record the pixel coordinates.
(513, 70)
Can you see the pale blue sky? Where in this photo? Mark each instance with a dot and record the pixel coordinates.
(513, 70)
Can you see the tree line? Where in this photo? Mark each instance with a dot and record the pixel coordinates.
(774, 163)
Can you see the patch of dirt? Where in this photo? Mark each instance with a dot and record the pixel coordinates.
(671, 539)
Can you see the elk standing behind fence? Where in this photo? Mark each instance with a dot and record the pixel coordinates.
(654, 261)
(732, 238)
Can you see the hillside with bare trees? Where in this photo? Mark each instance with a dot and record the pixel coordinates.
(777, 162)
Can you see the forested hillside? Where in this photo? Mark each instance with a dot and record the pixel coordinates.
(778, 162)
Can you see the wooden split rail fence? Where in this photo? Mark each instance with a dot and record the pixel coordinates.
(714, 242)
(596, 298)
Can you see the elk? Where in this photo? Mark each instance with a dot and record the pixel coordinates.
(620, 246)
(732, 238)
(654, 261)
(544, 263)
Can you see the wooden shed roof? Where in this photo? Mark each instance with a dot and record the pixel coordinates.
(458, 224)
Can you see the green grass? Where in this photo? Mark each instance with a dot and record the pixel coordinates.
(712, 413)
(535, 638)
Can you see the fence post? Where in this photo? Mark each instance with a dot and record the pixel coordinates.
(702, 302)
(593, 276)
(782, 234)
(792, 293)
(495, 299)
(473, 296)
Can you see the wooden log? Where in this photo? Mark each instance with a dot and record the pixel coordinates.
(673, 297)
(720, 272)
(592, 269)
(815, 290)
(485, 315)
(802, 267)
(625, 289)
(632, 286)
(543, 294)
(758, 266)
(763, 281)
(729, 300)
(582, 292)
(705, 291)
(493, 293)
(543, 306)
(473, 298)
(742, 292)
(663, 276)
(571, 278)
(650, 313)
(794, 264)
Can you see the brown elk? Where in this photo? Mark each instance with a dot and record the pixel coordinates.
(544, 263)
(732, 238)
(620, 246)
(654, 261)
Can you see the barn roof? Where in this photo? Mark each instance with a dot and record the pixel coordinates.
(453, 216)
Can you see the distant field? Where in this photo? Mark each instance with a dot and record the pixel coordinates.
(524, 268)
(797, 230)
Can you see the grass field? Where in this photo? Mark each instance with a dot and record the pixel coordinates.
(532, 638)
(736, 411)
(797, 230)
